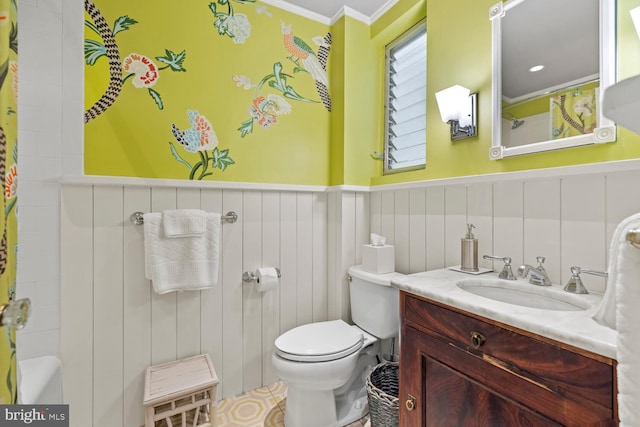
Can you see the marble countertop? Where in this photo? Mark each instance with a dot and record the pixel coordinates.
(575, 328)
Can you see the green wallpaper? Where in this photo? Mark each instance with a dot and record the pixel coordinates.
(227, 90)
(9, 179)
(459, 52)
(218, 98)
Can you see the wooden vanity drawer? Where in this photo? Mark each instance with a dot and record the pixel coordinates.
(566, 372)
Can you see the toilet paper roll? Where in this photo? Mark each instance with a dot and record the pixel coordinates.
(267, 278)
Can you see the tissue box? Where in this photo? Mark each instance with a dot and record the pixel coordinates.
(379, 259)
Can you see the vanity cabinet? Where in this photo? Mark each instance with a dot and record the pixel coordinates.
(459, 369)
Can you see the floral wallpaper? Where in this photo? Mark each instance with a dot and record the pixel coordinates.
(9, 180)
(239, 90)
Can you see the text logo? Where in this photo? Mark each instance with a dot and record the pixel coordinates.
(34, 415)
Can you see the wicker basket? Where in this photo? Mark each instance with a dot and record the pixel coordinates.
(382, 391)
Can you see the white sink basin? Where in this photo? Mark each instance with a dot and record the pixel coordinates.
(524, 294)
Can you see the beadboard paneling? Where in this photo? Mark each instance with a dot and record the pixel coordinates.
(542, 222)
(567, 219)
(76, 306)
(114, 326)
(435, 231)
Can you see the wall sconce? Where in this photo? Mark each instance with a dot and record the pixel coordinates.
(458, 108)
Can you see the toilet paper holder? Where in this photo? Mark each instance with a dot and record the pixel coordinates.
(249, 276)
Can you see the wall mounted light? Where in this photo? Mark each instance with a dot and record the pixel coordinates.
(635, 18)
(458, 108)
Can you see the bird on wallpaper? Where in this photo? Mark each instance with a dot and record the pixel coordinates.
(314, 63)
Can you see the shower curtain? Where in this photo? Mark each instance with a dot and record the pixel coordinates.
(573, 113)
(8, 178)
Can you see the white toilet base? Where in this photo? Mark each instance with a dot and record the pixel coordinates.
(307, 407)
(352, 405)
(313, 408)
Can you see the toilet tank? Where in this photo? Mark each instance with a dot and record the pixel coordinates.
(374, 303)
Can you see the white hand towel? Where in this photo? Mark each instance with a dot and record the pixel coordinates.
(606, 312)
(183, 222)
(619, 310)
(181, 263)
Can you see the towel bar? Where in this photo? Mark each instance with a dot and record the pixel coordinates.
(137, 218)
(633, 237)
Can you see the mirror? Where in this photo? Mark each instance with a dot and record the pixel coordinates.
(558, 105)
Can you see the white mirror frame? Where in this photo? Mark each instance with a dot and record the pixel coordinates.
(606, 132)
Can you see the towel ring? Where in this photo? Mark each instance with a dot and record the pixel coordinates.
(633, 237)
(137, 218)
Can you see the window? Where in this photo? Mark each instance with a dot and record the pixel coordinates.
(406, 101)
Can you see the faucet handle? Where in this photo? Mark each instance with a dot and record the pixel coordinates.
(575, 284)
(540, 260)
(506, 272)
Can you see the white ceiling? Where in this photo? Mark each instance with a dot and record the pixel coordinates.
(561, 35)
(328, 11)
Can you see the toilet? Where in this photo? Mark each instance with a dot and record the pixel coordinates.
(325, 364)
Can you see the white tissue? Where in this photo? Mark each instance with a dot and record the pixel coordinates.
(377, 240)
(267, 279)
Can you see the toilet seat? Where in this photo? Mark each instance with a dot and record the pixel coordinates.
(319, 342)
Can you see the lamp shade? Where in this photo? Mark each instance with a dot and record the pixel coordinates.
(635, 17)
(453, 103)
(621, 103)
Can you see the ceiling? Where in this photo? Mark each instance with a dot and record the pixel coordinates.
(561, 35)
(328, 11)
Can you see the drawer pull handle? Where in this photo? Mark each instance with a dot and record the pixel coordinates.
(410, 403)
(477, 339)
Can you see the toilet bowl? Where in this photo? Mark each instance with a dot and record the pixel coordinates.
(325, 364)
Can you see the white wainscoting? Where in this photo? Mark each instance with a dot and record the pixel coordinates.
(113, 326)
(567, 219)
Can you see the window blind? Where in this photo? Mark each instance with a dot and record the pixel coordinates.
(406, 101)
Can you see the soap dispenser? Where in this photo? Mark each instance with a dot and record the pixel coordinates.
(469, 252)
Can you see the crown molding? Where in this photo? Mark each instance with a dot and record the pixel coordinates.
(306, 13)
(344, 11)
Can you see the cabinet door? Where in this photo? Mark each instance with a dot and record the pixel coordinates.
(445, 397)
(453, 399)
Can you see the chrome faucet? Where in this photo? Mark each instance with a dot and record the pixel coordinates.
(506, 272)
(539, 275)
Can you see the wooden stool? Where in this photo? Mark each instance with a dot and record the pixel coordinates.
(181, 393)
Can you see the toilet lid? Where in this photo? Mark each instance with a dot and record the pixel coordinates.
(319, 342)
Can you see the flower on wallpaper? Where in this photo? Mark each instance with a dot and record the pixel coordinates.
(200, 138)
(231, 24)
(11, 187)
(11, 182)
(142, 70)
(262, 10)
(584, 105)
(243, 81)
(13, 67)
(265, 109)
